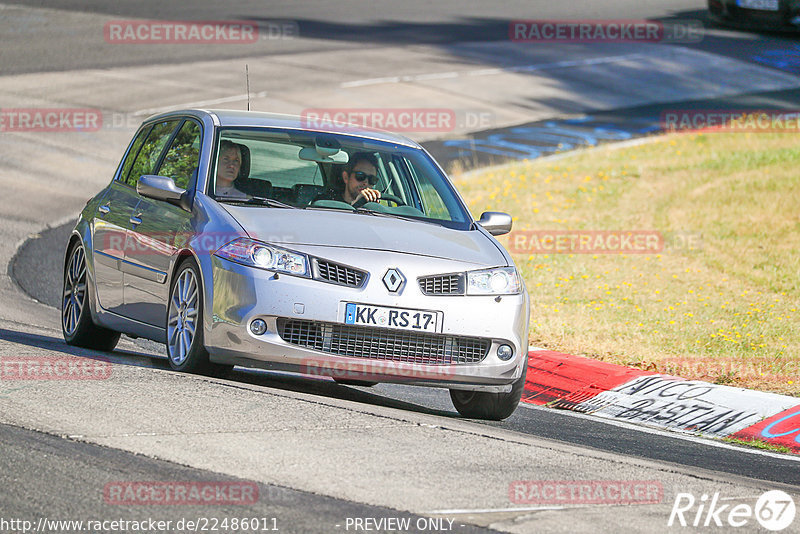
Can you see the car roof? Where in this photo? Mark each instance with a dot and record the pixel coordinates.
(249, 119)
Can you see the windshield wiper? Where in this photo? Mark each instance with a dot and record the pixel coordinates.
(394, 216)
(257, 200)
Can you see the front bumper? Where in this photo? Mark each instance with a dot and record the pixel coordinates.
(327, 347)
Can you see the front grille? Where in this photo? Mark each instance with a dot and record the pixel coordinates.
(339, 274)
(444, 284)
(382, 343)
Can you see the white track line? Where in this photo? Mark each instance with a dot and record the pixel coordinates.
(200, 103)
(494, 510)
(491, 72)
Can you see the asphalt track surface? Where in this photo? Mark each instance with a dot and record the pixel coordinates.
(53, 466)
(326, 25)
(38, 270)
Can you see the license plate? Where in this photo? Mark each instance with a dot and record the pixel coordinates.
(763, 5)
(400, 318)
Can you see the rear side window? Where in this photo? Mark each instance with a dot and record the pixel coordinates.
(278, 163)
(183, 155)
(147, 158)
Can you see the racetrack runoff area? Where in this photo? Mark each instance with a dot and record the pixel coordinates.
(712, 300)
(262, 430)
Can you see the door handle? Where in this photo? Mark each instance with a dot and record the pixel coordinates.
(104, 209)
(135, 220)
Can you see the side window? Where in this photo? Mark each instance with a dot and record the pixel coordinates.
(137, 144)
(151, 150)
(183, 156)
(433, 205)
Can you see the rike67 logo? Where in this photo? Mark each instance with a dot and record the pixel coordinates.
(774, 511)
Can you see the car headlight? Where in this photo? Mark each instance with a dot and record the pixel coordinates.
(500, 281)
(263, 256)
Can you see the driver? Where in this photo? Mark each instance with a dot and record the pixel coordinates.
(358, 177)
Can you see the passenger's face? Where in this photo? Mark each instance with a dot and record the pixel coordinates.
(353, 186)
(230, 161)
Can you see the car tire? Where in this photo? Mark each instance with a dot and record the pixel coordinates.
(76, 318)
(186, 351)
(486, 405)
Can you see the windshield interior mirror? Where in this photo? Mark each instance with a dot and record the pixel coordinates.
(326, 149)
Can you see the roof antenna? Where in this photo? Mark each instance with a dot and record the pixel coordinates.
(247, 77)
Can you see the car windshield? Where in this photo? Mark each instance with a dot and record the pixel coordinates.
(310, 170)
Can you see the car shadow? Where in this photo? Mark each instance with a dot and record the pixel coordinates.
(263, 378)
(57, 344)
(328, 388)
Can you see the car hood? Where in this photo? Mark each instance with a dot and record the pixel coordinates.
(363, 231)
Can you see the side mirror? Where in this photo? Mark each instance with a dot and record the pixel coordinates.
(495, 222)
(162, 188)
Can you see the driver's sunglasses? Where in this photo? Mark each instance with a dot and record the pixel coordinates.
(361, 176)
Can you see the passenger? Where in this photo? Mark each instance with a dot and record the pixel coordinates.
(359, 174)
(229, 165)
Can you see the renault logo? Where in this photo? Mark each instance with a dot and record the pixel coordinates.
(394, 280)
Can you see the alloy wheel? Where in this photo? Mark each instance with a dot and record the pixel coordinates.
(74, 296)
(182, 323)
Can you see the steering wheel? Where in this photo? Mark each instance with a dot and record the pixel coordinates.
(384, 196)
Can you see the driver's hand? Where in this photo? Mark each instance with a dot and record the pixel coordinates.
(370, 195)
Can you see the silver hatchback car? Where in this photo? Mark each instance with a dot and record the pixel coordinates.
(250, 239)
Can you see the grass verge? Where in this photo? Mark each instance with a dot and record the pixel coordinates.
(758, 444)
(719, 302)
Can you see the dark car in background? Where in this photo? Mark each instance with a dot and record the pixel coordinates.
(779, 15)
